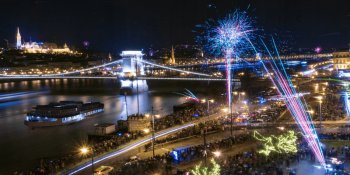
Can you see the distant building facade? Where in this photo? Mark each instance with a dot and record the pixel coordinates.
(171, 59)
(341, 60)
(138, 123)
(104, 129)
(40, 47)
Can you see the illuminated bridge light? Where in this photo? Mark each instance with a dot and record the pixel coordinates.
(174, 69)
(54, 75)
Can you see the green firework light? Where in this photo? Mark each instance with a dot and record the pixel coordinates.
(285, 143)
(200, 170)
(345, 83)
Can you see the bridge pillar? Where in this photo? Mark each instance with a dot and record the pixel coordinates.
(132, 68)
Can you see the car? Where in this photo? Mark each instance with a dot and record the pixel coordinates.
(103, 170)
(133, 159)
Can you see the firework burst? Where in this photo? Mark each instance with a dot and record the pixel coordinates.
(227, 37)
(189, 95)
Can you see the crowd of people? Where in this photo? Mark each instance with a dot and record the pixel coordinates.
(208, 127)
(270, 114)
(342, 150)
(253, 163)
(54, 165)
(334, 136)
(328, 110)
(249, 162)
(166, 163)
(186, 115)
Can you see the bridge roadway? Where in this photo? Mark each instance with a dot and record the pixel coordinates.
(110, 77)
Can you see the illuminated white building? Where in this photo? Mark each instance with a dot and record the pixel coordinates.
(341, 60)
(40, 47)
(35, 47)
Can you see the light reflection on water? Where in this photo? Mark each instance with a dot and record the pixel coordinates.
(22, 147)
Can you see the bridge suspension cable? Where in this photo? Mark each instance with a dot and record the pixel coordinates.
(174, 69)
(64, 73)
(103, 65)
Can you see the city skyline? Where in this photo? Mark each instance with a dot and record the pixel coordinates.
(175, 87)
(112, 26)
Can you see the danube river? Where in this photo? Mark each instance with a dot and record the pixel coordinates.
(22, 147)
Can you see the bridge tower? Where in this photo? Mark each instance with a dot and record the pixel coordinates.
(132, 68)
(132, 64)
(18, 39)
(172, 58)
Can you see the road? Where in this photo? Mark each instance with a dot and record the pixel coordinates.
(136, 144)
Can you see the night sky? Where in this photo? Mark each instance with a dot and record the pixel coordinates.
(114, 25)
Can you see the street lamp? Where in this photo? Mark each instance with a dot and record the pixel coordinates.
(153, 138)
(311, 111)
(319, 98)
(146, 130)
(239, 96)
(208, 103)
(225, 110)
(153, 130)
(85, 151)
(205, 144)
(217, 154)
(126, 105)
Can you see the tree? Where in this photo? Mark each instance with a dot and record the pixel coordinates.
(200, 170)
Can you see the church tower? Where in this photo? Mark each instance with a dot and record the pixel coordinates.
(172, 59)
(18, 39)
(109, 57)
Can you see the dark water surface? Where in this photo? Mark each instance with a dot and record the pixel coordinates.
(22, 147)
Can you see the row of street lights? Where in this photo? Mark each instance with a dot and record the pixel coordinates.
(153, 130)
(319, 100)
(239, 94)
(231, 114)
